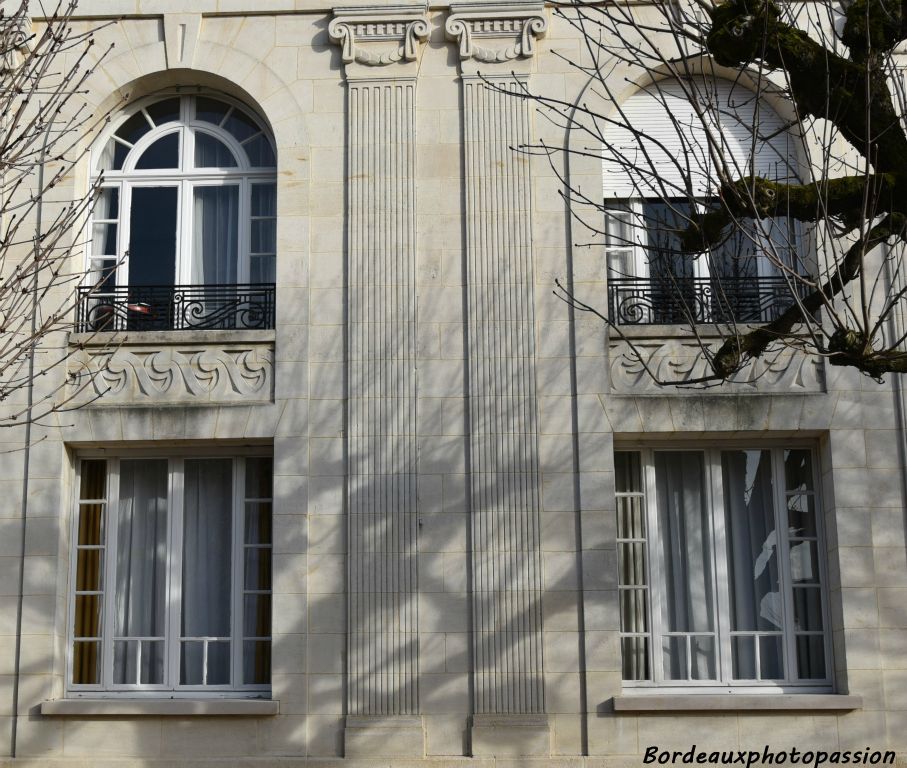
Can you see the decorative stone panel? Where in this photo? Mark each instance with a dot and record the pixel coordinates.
(673, 359)
(178, 371)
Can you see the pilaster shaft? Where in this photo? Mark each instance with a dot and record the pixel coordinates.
(504, 474)
(383, 657)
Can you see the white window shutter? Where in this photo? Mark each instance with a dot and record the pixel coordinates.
(671, 156)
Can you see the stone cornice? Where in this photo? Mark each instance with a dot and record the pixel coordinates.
(496, 33)
(379, 35)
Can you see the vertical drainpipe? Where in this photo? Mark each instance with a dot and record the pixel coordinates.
(27, 451)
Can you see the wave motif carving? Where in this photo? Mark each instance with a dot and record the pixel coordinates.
(149, 376)
(785, 370)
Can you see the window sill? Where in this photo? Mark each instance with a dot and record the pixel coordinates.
(116, 707)
(165, 338)
(736, 702)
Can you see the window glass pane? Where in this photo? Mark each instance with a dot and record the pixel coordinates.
(258, 522)
(210, 110)
(205, 663)
(163, 153)
(634, 616)
(134, 128)
(632, 564)
(94, 482)
(259, 470)
(798, 473)
(257, 568)
(88, 616)
(702, 651)
(207, 554)
(86, 667)
(103, 274)
(104, 240)
(664, 221)
(241, 126)
(166, 111)
(218, 672)
(801, 516)
(743, 652)
(89, 570)
(215, 244)
(631, 517)
(152, 238)
(811, 657)
(107, 205)
(807, 609)
(628, 472)
(804, 566)
(120, 152)
(684, 539)
(138, 662)
(264, 233)
(263, 269)
(264, 199)
(141, 554)
(674, 657)
(257, 616)
(212, 153)
(752, 541)
(91, 524)
(257, 662)
(260, 153)
(771, 658)
(635, 658)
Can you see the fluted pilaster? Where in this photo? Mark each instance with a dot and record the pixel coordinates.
(383, 658)
(504, 466)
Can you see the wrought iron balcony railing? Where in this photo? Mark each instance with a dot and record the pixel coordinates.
(176, 308)
(674, 301)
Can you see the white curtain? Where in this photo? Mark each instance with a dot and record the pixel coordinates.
(684, 541)
(207, 568)
(141, 563)
(752, 543)
(215, 238)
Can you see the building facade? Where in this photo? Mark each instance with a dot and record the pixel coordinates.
(349, 481)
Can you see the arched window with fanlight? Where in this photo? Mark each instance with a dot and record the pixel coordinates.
(664, 152)
(184, 233)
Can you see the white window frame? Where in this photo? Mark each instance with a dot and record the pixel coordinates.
(184, 178)
(171, 688)
(714, 492)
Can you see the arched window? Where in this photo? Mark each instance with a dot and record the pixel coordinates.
(661, 161)
(184, 235)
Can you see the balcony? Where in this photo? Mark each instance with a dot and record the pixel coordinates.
(699, 300)
(176, 308)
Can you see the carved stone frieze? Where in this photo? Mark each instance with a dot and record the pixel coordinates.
(187, 375)
(379, 35)
(496, 33)
(784, 370)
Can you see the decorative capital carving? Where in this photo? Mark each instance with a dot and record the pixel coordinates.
(496, 33)
(364, 33)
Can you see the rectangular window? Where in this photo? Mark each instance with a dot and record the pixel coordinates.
(172, 575)
(720, 575)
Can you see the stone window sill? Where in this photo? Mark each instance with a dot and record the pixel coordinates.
(169, 338)
(116, 707)
(736, 702)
